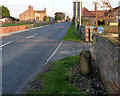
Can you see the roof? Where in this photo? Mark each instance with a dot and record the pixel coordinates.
(87, 13)
(40, 11)
(93, 12)
(116, 8)
(103, 11)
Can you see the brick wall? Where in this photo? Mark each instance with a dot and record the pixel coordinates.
(13, 28)
(107, 57)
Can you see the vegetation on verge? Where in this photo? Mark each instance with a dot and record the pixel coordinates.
(14, 24)
(56, 81)
(71, 35)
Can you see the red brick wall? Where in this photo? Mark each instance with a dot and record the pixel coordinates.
(13, 28)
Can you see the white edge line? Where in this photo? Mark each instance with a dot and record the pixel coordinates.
(53, 52)
(5, 44)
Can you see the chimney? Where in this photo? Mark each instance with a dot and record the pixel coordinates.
(30, 7)
(45, 11)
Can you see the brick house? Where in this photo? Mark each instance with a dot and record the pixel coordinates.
(116, 10)
(90, 15)
(31, 14)
(86, 14)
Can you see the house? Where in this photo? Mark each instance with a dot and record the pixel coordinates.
(86, 14)
(90, 15)
(31, 14)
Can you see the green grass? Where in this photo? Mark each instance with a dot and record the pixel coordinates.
(101, 26)
(71, 35)
(55, 81)
(14, 24)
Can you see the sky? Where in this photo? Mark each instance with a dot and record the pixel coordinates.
(17, 7)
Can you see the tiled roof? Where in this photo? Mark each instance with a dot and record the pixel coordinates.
(116, 8)
(103, 11)
(93, 12)
(87, 13)
(39, 11)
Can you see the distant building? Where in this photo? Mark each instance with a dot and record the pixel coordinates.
(31, 14)
(60, 14)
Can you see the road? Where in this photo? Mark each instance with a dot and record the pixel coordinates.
(24, 54)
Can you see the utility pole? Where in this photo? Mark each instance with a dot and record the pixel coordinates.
(80, 17)
(96, 16)
(119, 22)
(53, 7)
(80, 12)
(76, 17)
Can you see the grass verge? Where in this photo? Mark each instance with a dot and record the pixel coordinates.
(15, 24)
(71, 35)
(56, 81)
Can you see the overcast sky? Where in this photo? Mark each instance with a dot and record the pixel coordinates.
(16, 7)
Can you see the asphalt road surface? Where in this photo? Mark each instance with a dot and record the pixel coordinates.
(24, 54)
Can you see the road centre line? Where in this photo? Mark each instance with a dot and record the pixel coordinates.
(5, 44)
(31, 36)
(54, 52)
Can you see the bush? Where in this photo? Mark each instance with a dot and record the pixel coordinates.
(46, 18)
(58, 18)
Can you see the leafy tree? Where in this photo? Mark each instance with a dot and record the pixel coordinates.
(58, 18)
(5, 12)
(46, 18)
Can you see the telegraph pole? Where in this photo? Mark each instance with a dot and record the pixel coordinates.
(96, 15)
(119, 22)
(80, 12)
(80, 17)
(76, 17)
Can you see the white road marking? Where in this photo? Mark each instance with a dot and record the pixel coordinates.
(54, 52)
(0, 49)
(5, 44)
(31, 36)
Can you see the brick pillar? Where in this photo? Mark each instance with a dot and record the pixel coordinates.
(87, 34)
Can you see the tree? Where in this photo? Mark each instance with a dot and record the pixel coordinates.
(61, 15)
(5, 12)
(58, 18)
(46, 18)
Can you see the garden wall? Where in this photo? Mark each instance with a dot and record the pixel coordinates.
(13, 28)
(107, 57)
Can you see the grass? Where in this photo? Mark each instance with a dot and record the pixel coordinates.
(71, 35)
(101, 26)
(56, 80)
(14, 24)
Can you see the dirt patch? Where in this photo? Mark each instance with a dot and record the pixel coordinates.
(90, 84)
